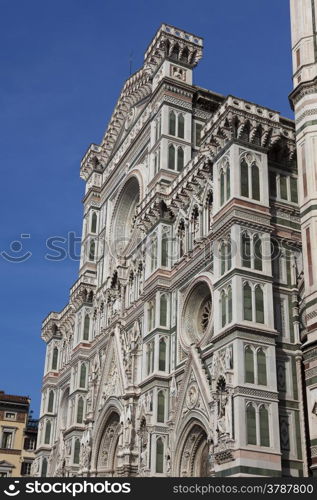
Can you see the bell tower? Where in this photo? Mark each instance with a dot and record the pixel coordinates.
(304, 102)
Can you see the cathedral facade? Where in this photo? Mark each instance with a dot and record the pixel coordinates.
(180, 352)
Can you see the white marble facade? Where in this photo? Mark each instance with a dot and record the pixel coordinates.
(179, 352)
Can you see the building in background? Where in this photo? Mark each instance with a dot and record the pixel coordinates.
(18, 434)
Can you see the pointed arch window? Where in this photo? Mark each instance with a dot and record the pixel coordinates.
(264, 426)
(44, 468)
(47, 435)
(229, 255)
(164, 248)
(293, 189)
(246, 250)
(247, 302)
(181, 126)
(226, 306)
(154, 252)
(223, 308)
(259, 304)
(176, 158)
(255, 365)
(86, 327)
(257, 253)
(250, 180)
(228, 182)
(158, 129)
(92, 250)
(180, 159)
(94, 222)
(163, 310)
(253, 303)
(224, 180)
(151, 315)
(283, 187)
(222, 187)
(50, 406)
(159, 462)
(229, 304)
(161, 407)
(76, 456)
(162, 354)
(149, 357)
(261, 367)
(80, 411)
(255, 182)
(249, 365)
(172, 123)
(55, 359)
(251, 424)
(223, 257)
(171, 157)
(198, 129)
(244, 178)
(82, 376)
(252, 251)
(181, 238)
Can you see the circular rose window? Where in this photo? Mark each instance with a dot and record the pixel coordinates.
(124, 215)
(197, 313)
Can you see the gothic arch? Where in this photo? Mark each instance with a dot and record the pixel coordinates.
(123, 228)
(192, 449)
(106, 440)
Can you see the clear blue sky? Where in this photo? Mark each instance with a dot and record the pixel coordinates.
(62, 64)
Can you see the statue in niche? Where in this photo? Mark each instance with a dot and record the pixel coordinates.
(228, 358)
(85, 449)
(168, 460)
(224, 413)
(144, 441)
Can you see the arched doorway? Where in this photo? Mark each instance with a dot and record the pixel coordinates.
(107, 458)
(194, 453)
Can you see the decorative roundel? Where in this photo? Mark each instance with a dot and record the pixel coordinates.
(192, 395)
(197, 314)
(124, 222)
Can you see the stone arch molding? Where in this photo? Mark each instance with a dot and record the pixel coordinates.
(196, 312)
(106, 439)
(193, 450)
(123, 230)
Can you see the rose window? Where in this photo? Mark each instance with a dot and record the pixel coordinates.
(197, 313)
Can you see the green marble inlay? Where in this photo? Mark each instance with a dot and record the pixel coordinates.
(242, 469)
(294, 374)
(291, 319)
(311, 381)
(298, 437)
(307, 124)
(308, 209)
(284, 222)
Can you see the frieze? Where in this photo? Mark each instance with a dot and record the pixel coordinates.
(311, 372)
(257, 393)
(178, 102)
